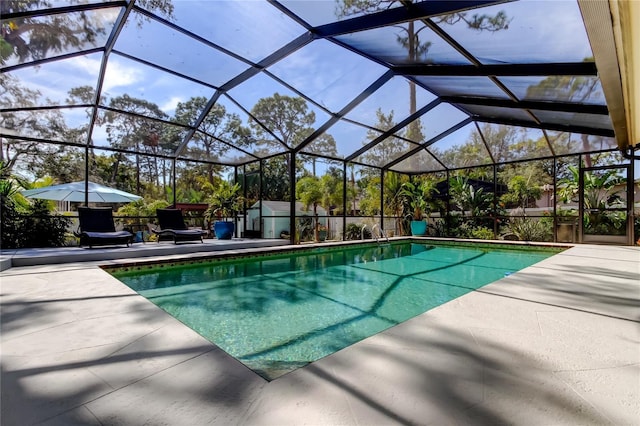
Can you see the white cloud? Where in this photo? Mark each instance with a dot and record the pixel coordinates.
(118, 75)
(89, 65)
(169, 106)
(99, 136)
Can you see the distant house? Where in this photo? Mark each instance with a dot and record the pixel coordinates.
(275, 217)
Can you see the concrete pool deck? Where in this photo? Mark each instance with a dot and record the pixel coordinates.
(556, 343)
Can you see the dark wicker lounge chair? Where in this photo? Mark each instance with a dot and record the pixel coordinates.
(98, 229)
(172, 225)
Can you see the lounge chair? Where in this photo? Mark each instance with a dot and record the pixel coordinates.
(172, 225)
(98, 229)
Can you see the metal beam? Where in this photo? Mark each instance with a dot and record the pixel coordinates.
(551, 126)
(45, 11)
(355, 102)
(399, 15)
(539, 105)
(416, 115)
(514, 70)
(430, 142)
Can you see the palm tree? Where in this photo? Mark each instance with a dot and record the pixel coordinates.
(597, 188)
(331, 188)
(599, 195)
(468, 198)
(309, 192)
(417, 197)
(225, 201)
(394, 200)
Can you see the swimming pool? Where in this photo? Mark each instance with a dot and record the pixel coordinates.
(276, 313)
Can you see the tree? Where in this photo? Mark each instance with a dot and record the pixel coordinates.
(37, 125)
(418, 195)
(101, 171)
(389, 148)
(597, 188)
(141, 208)
(249, 179)
(408, 37)
(364, 189)
(521, 192)
(324, 144)
(136, 133)
(568, 89)
(225, 201)
(290, 121)
(276, 183)
(25, 38)
(500, 138)
(599, 194)
(369, 192)
(18, 214)
(217, 126)
(287, 118)
(309, 190)
(192, 184)
(471, 153)
(467, 198)
(524, 184)
(65, 163)
(394, 202)
(332, 184)
(10, 220)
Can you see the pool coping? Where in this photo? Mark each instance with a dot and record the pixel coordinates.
(225, 255)
(154, 252)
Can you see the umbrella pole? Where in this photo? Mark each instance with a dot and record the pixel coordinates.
(86, 174)
(173, 183)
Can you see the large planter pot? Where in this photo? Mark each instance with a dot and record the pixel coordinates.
(224, 230)
(418, 228)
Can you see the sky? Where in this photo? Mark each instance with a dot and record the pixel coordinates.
(321, 70)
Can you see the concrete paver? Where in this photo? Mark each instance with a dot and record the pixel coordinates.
(556, 343)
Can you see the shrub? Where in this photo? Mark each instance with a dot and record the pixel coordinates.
(354, 232)
(10, 229)
(438, 229)
(527, 229)
(304, 228)
(482, 233)
(44, 229)
(24, 224)
(36, 227)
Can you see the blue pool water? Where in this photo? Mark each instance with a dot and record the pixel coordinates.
(276, 313)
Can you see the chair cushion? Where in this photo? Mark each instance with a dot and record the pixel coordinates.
(112, 235)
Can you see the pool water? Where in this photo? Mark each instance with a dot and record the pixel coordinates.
(280, 312)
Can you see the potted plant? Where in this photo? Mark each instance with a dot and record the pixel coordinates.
(225, 202)
(417, 197)
(322, 232)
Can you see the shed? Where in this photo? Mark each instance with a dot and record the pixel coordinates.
(275, 217)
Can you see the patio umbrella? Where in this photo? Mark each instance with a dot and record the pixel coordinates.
(75, 191)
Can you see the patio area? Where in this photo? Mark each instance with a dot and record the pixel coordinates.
(152, 250)
(556, 343)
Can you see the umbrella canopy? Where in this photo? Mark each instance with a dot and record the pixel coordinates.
(75, 191)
